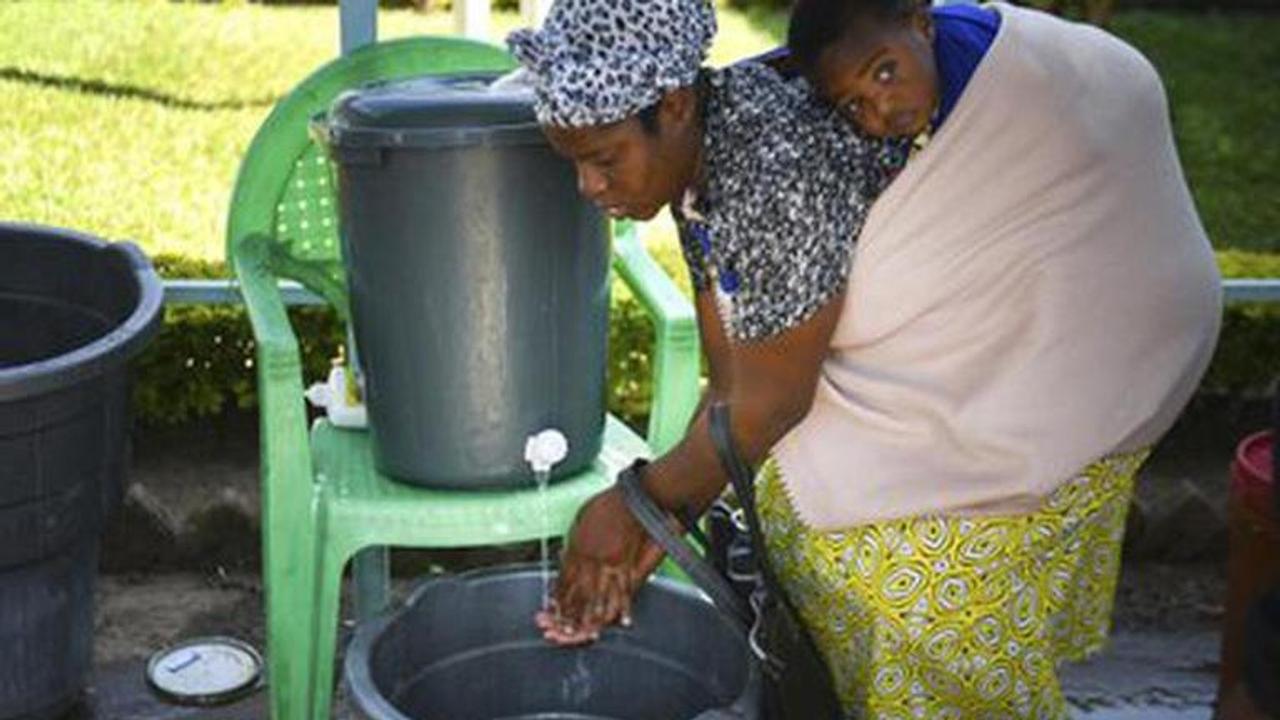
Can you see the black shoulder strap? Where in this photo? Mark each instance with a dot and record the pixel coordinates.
(743, 480)
(702, 573)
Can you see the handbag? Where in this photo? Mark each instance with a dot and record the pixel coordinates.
(797, 682)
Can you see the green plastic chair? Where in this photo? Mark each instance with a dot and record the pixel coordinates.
(323, 501)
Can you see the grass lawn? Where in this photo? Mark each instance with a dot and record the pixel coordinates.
(128, 119)
(1222, 74)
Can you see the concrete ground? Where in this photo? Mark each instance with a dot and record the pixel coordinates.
(1161, 662)
(181, 561)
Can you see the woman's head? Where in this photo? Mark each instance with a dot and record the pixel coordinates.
(872, 59)
(633, 167)
(615, 91)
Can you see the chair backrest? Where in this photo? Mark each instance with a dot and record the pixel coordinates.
(284, 193)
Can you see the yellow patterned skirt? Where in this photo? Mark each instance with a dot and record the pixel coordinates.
(949, 617)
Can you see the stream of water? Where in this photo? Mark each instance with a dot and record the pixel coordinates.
(543, 478)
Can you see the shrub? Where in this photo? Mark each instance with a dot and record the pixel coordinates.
(1245, 361)
(201, 363)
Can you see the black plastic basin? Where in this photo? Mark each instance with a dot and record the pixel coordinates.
(465, 648)
(75, 310)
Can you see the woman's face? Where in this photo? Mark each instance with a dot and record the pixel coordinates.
(882, 76)
(629, 170)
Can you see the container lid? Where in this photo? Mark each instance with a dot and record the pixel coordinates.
(205, 671)
(434, 112)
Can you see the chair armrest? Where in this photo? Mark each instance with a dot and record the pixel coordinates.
(676, 357)
(286, 457)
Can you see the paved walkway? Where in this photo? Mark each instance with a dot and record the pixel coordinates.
(1147, 675)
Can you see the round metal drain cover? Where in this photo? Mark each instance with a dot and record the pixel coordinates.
(205, 671)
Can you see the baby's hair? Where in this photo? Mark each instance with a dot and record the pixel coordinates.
(818, 24)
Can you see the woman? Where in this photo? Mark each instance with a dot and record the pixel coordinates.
(1032, 302)
(768, 188)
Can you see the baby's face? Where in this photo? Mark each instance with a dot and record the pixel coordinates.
(883, 77)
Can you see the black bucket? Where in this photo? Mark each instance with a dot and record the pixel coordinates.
(76, 310)
(465, 648)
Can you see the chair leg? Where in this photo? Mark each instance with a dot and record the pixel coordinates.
(370, 571)
(328, 596)
(290, 561)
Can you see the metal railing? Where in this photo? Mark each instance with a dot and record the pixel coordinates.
(224, 292)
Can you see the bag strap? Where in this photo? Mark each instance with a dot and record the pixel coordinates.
(820, 699)
(743, 480)
(744, 484)
(654, 520)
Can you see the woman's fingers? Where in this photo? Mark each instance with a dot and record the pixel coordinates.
(573, 595)
(604, 562)
(579, 636)
(600, 604)
(624, 610)
(545, 619)
(593, 601)
(608, 604)
(575, 586)
(620, 599)
(601, 607)
(647, 561)
(560, 629)
(590, 597)
(651, 556)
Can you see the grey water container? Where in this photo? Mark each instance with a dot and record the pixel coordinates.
(465, 648)
(76, 310)
(478, 281)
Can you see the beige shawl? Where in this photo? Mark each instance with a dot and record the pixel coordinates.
(1033, 292)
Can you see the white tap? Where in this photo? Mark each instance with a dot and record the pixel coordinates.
(544, 449)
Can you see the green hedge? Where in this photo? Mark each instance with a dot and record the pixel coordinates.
(202, 361)
(1248, 356)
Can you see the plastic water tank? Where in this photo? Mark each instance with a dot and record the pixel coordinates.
(478, 280)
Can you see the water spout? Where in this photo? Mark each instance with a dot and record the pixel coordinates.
(543, 451)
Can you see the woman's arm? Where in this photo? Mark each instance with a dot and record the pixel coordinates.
(770, 385)
(715, 345)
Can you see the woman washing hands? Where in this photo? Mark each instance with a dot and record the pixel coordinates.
(768, 188)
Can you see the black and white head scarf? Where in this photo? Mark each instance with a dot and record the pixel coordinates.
(594, 62)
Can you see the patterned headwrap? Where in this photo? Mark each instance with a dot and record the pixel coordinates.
(595, 62)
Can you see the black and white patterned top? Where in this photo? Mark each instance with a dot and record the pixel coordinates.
(786, 186)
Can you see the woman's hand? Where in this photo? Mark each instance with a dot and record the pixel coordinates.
(607, 558)
(770, 384)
